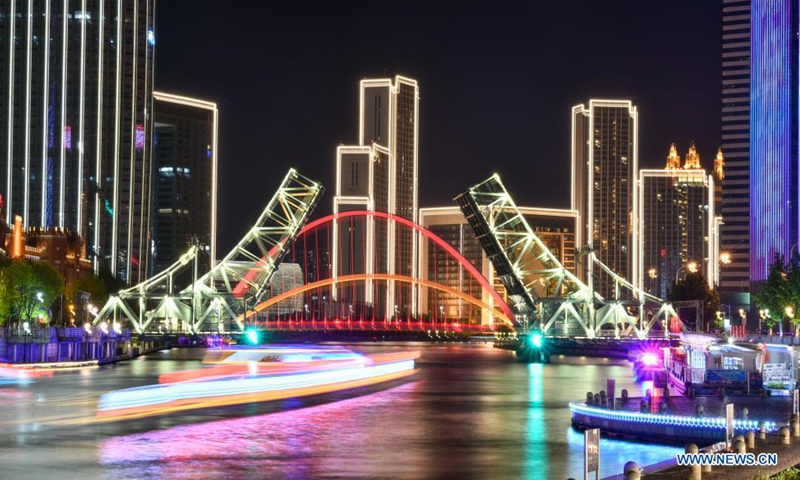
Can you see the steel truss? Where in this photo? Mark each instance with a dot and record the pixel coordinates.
(239, 279)
(541, 289)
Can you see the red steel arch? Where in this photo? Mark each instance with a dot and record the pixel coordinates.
(474, 273)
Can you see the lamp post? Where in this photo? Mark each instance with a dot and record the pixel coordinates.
(743, 314)
(691, 266)
(789, 310)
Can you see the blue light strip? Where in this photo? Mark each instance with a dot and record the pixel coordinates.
(670, 420)
(773, 211)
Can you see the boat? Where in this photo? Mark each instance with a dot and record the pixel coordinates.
(704, 365)
(239, 382)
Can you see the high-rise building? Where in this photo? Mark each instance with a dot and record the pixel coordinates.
(735, 239)
(381, 172)
(676, 218)
(184, 179)
(556, 228)
(75, 129)
(774, 127)
(604, 166)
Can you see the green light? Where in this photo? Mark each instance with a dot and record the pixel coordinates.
(536, 338)
(251, 334)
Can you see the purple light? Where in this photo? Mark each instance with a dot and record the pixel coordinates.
(139, 136)
(773, 114)
(649, 359)
(67, 140)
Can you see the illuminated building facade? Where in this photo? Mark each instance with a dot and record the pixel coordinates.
(380, 173)
(677, 230)
(184, 179)
(735, 195)
(774, 134)
(556, 228)
(288, 276)
(62, 249)
(604, 166)
(75, 137)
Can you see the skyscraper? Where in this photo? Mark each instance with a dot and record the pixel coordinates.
(774, 134)
(604, 166)
(382, 171)
(184, 178)
(735, 212)
(75, 137)
(676, 223)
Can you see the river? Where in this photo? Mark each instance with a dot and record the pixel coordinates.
(469, 412)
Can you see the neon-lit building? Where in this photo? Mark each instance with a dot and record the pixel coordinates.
(604, 166)
(677, 230)
(74, 127)
(774, 133)
(287, 277)
(555, 227)
(380, 173)
(184, 179)
(735, 194)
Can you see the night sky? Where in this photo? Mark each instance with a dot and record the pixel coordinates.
(497, 83)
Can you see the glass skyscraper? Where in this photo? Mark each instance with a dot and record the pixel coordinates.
(184, 179)
(676, 224)
(604, 166)
(380, 173)
(774, 133)
(75, 131)
(735, 205)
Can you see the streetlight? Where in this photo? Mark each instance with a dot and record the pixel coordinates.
(789, 310)
(692, 266)
(653, 273)
(743, 314)
(763, 314)
(725, 258)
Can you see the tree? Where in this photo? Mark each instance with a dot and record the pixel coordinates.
(694, 286)
(95, 287)
(32, 287)
(780, 290)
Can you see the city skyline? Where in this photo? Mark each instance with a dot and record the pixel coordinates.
(471, 120)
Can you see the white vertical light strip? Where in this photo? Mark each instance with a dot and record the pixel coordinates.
(45, 112)
(82, 120)
(639, 189)
(634, 226)
(144, 199)
(10, 142)
(101, 22)
(415, 213)
(214, 157)
(62, 168)
(132, 163)
(590, 208)
(117, 139)
(27, 152)
(361, 113)
(391, 142)
(713, 265)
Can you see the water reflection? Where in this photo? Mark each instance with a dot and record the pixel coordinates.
(536, 428)
(313, 440)
(470, 412)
